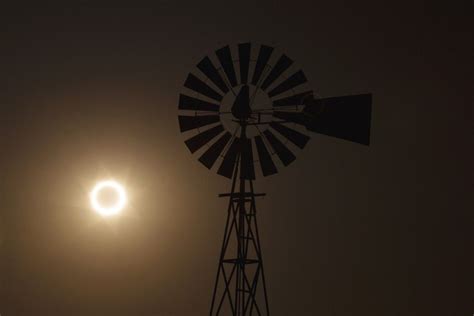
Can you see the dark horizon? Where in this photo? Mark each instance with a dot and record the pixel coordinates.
(91, 92)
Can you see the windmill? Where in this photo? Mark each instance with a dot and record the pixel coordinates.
(245, 113)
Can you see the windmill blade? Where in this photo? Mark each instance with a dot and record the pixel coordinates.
(208, 68)
(282, 64)
(262, 60)
(196, 142)
(209, 157)
(187, 123)
(230, 158)
(294, 80)
(190, 103)
(196, 84)
(266, 162)
(247, 170)
(292, 135)
(244, 60)
(346, 117)
(225, 58)
(295, 117)
(285, 155)
(296, 99)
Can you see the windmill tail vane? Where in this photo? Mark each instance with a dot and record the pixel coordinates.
(346, 117)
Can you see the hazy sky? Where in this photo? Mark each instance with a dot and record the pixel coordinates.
(91, 91)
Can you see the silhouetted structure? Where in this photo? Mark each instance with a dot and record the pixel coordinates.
(242, 108)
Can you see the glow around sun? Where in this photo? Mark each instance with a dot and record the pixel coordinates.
(108, 198)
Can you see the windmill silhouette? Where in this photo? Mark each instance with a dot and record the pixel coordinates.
(255, 109)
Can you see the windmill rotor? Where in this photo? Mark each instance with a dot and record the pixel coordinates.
(246, 130)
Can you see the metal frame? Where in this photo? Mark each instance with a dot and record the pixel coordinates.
(240, 282)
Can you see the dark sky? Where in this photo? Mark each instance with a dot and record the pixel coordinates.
(91, 91)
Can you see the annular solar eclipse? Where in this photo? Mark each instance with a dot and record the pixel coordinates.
(117, 203)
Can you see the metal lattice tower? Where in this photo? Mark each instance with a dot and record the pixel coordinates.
(240, 280)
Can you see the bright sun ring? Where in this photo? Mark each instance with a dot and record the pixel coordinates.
(113, 209)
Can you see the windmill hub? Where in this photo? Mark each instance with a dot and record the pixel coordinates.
(241, 108)
(258, 101)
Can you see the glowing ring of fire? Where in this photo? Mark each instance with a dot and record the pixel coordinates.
(110, 210)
